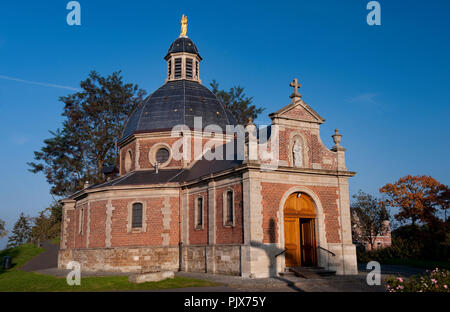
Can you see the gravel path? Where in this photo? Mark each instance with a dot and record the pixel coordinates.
(338, 283)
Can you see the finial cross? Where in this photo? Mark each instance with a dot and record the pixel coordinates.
(296, 85)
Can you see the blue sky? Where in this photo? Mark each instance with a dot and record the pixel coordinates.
(385, 87)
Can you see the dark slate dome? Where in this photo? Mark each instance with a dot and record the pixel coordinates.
(180, 99)
(176, 103)
(183, 44)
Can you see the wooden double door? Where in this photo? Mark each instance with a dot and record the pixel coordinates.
(300, 232)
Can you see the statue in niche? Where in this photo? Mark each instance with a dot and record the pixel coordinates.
(297, 153)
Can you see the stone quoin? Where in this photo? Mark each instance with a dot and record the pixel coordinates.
(231, 216)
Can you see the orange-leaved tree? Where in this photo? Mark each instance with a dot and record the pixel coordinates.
(417, 197)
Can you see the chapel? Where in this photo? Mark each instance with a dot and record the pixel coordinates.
(192, 196)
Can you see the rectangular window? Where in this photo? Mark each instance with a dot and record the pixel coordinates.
(80, 230)
(169, 68)
(137, 215)
(178, 68)
(196, 69)
(230, 207)
(189, 68)
(199, 212)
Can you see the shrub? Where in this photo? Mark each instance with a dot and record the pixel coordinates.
(434, 281)
(400, 249)
(412, 242)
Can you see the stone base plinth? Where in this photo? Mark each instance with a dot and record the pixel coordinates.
(123, 259)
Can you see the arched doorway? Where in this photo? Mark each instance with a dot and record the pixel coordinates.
(300, 231)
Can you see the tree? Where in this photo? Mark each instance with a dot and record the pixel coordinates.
(237, 102)
(3, 231)
(94, 119)
(444, 200)
(21, 232)
(368, 218)
(48, 224)
(417, 197)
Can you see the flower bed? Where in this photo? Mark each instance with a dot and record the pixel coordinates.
(433, 281)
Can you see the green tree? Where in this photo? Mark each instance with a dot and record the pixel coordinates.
(3, 231)
(94, 120)
(368, 218)
(48, 224)
(237, 102)
(21, 232)
(444, 200)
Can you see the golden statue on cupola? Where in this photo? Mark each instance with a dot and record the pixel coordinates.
(184, 22)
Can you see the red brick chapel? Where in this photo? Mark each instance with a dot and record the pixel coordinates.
(226, 216)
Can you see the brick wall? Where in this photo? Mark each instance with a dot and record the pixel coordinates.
(227, 234)
(328, 196)
(145, 145)
(123, 151)
(97, 233)
(174, 220)
(380, 242)
(81, 220)
(96, 219)
(272, 194)
(317, 152)
(299, 114)
(144, 149)
(152, 235)
(198, 236)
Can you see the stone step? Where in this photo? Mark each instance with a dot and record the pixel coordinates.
(311, 272)
(286, 273)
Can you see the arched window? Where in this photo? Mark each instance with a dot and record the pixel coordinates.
(136, 215)
(228, 208)
(199, 213)
(128, 161)
(80, 228)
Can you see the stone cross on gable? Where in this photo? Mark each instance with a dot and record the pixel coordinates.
(296, 85)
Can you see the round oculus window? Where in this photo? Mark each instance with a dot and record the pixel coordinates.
(162, 155)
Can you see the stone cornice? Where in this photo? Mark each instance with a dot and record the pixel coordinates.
(104, 189)
(206, 178)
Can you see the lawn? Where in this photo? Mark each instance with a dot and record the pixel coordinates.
(20, 255)
(17, 280)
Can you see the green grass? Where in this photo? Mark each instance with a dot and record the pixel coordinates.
(56, 240)
(426, 264)
(17, 280)
(20, 255)
(24, 281)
